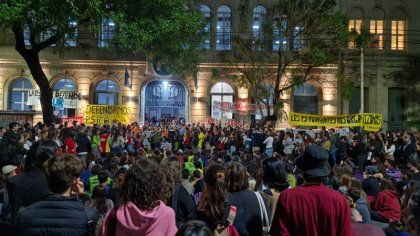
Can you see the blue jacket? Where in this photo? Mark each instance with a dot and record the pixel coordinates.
(56, 215)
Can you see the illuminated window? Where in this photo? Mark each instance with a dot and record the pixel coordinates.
(377, 30)
(26, 35)
(282, 41)
(107, 34)
(221, 92)
(279, 39)
(107, 92)
(355, 24)
(205, 10)
(224, 28)
(71, 37)
(65, 85)
(259, 22)
(398, 38)
(18, 94)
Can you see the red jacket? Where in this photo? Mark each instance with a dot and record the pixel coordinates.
(388, 205)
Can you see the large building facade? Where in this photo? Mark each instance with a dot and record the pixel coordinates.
(100, 76)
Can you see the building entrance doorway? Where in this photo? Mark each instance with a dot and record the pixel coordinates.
(164, 101)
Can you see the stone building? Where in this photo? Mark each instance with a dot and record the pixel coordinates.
(99, 75)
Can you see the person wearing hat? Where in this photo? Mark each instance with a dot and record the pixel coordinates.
(8, 172)
(313, 208)
(371, 183)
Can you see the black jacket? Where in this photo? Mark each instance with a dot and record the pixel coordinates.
(183, 205)
(83, 143)
(248, 217)
(56, 215)
(26, 189)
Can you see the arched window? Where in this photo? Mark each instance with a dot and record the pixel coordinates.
(107, 92)
(205, 10)
(18, 94)
(259, 22)
(398, 29)
(279, 38)
(305, 99)
(355, 22)
(64, 85)
(107, 34)
(376, 28)
(224, 28)
(221, 92)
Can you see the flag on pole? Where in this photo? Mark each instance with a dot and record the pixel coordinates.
(127, 79)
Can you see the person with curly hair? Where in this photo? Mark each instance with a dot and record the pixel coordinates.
(141, 209)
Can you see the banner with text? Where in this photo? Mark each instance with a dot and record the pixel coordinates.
(242, 108)
(107, 114)
(70, 120)
(369, 121)
(34, 96)
(66, 99)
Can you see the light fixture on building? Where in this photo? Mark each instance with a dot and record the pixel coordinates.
(242, 93)
(165, 83)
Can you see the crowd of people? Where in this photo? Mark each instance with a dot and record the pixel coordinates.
(198, 180)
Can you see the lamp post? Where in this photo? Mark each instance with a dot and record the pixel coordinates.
(362, 85)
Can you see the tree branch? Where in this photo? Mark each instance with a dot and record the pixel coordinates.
(19, 38)
(46, 43)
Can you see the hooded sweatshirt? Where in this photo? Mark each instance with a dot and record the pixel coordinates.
(388, 206)
(134, 221)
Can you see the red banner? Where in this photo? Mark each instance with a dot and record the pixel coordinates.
(70, 120)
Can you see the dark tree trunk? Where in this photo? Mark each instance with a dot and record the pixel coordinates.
(32, 60)
(31, 57)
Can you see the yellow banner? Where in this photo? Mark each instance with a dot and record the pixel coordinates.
(106, 114)
(369, 121)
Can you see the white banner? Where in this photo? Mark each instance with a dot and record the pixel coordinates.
(66, 99)
(34, 96)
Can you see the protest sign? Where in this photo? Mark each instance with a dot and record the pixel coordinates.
(70, 120)
(34, 97)
(370, 121)
(66, 99)
(107, 114)
(6, 119)
(166, 146)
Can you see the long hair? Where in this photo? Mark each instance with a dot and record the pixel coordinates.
(214, 195)
(238, 177)
(99, 195)
(275, 175)
(172, 170)
(142, 184)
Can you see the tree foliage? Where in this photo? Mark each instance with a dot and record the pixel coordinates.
(161, 30)
(311, 33)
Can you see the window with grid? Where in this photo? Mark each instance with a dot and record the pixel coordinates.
(398, 34)
(224, 28)
(107, 34)
(259, 22)
(107, 93)
(206, 12)
(377, 30)
(65, 85)
(354, 24)
(18, 94)
(71, 38)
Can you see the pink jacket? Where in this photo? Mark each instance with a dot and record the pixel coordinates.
(134, 221)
